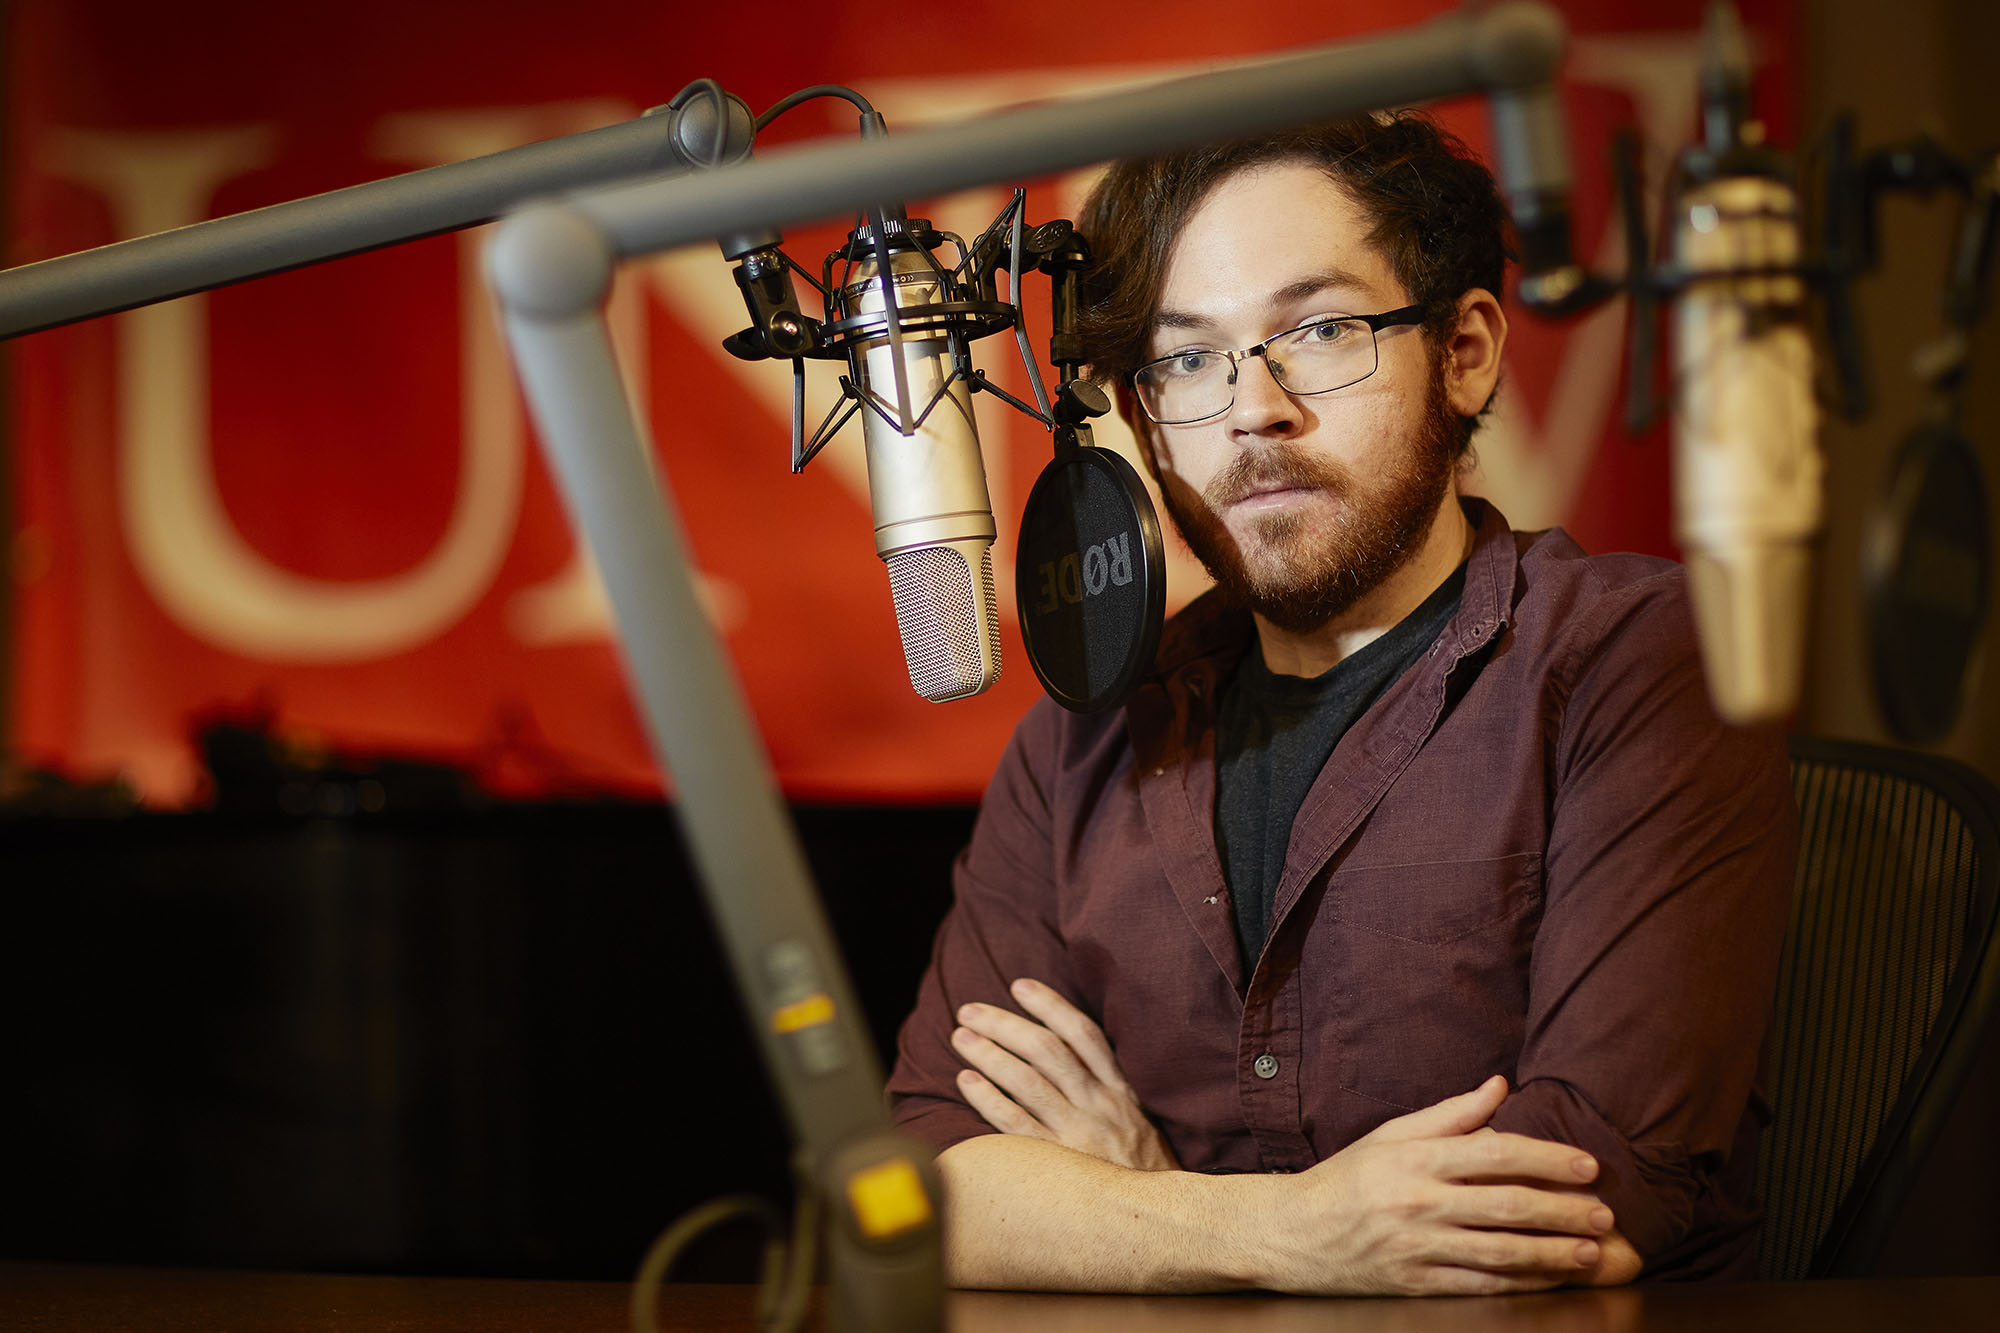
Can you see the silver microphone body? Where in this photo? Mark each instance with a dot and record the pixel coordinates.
(1747, 468)
(933, 517)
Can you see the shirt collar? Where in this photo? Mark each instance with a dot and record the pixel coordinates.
(1492, 577)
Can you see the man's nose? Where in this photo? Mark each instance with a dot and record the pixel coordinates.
(1262, 406)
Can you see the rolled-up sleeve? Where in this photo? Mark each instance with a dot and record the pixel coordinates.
(1668, 885)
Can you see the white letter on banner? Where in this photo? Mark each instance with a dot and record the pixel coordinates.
(183, 543)
(571, 606)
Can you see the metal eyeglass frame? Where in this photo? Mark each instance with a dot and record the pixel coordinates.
(1409, 314)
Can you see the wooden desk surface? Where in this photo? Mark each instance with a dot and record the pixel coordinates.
(81, 1297)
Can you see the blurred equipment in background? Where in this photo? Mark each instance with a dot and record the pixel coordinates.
(254, 769)
(1747, 469)
(1927, 564)
(35, 793)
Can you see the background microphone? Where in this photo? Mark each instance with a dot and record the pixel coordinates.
(927, 486)
(1746, 464)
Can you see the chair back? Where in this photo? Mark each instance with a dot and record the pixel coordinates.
(1888, 978)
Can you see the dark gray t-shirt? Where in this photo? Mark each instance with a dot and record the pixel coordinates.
(1274, 734)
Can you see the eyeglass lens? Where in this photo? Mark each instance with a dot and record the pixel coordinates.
(1316, 358)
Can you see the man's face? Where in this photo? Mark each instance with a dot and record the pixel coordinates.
(1298, 506)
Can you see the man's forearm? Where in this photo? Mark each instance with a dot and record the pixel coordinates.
(1024, 1213)
(1427, 1203)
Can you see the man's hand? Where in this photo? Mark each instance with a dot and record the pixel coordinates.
(1434, 1203)
(1055, 1080)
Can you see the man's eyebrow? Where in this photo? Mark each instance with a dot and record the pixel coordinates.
(1310, 285)
(1315, 283)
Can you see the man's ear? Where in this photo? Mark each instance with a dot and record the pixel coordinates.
(1472, 352)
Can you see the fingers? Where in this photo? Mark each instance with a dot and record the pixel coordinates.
(1070, 1023)
(1448, 1281)
(1505, 1252)
(1516, 1156)
(996, 1108)
(1520, 1208)
(1032, 1044)
(1452, 1116)
(1011, 1076)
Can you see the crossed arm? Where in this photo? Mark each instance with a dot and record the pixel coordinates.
(1079, 1191)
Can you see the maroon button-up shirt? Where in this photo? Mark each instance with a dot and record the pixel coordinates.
(1537, 854)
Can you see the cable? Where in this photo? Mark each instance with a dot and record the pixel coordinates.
(785, 1277)
(785, 104)
(782, 1308)
(720, 101)
(666, 1250)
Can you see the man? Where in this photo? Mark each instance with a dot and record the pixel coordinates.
(1414, 927)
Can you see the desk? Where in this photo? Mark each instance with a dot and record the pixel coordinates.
(59, 1298)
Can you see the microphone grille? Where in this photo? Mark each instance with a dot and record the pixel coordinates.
(950, 632)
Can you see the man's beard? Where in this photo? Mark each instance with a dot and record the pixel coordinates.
(1312, 570)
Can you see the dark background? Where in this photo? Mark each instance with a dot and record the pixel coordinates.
(494, 1040)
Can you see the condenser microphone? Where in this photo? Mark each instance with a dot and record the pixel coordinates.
(934, 524)
(1746, 463)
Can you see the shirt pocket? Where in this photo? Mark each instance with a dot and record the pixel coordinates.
(1416, 976)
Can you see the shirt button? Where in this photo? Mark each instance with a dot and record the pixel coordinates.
(1266, 1066)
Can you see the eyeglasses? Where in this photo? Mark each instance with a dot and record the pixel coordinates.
(1317, 357)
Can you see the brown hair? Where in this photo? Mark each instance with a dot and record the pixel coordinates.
(1437, 218)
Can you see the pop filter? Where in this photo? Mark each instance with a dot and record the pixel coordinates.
(1090, 578)
(1926, 570)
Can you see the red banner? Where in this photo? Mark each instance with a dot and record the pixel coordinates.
(315, 497)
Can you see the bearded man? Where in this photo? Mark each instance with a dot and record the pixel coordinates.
(1414, 926)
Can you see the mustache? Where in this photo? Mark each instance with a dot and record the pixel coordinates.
(1274, 467)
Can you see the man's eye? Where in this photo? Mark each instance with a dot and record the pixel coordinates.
(1329, 331)
(1186, 365)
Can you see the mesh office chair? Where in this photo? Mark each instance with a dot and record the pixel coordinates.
(1889, 976)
